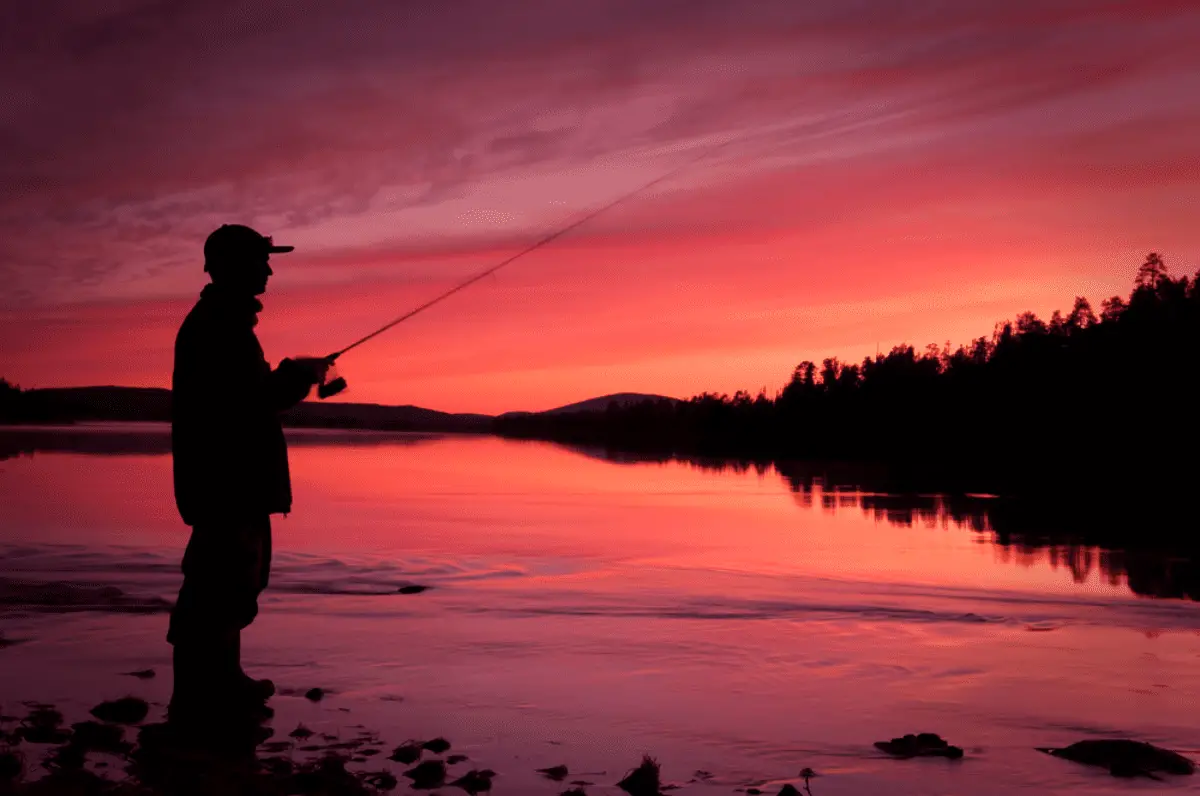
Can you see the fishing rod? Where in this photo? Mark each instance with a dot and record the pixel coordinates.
(337, 384)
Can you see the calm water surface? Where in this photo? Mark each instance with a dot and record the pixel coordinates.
(585, 612)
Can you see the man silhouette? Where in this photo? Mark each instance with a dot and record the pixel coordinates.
(230, 473)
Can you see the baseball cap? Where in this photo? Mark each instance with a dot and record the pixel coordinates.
(230, 241)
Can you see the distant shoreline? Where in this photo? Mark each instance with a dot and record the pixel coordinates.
(130, 427)
(69, 406)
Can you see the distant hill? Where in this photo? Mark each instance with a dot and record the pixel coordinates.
(152, 404)
(312, 414)
(596, 404)
(149, 404)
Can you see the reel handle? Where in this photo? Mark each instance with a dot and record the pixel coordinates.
(331, 388)
(333, 383)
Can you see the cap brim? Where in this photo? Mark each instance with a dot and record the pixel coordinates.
(280, 249)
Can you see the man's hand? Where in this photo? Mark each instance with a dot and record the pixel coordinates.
(313, 368)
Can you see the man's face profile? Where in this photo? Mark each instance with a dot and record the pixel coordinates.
(238, 257)
(248, 273)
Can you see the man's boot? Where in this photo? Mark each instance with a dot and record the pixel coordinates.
(202, 714)
(256, 691)
(193, 696)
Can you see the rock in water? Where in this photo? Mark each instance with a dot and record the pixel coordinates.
(926, 744)
(315, 694)
(126, 710)
(406, 753)
(381, 780)
(142, 674)
(301, 732)
(1125, 758)
(556, 773)
(427, 775)
(643, 780)
(42, 725)
(327, 775)
(474, 782)
(437, 745)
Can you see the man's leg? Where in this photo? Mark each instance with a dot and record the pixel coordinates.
(259, 690)
(191, 631)
(223, 576)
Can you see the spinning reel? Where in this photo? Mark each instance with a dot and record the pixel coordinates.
(332, 383)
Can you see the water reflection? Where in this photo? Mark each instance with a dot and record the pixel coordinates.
(1153, 551)
(1155, 557)
(1154, 561)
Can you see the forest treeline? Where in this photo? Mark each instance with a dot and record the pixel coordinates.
(1091, 398)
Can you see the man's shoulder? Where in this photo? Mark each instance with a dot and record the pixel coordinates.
(204, 318)
(197, 323)
(205, 331)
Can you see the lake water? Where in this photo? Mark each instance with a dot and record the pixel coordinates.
(584, 612)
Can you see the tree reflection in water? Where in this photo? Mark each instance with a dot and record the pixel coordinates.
(1146, 544)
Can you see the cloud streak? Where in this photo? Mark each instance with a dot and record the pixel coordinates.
(405, 143)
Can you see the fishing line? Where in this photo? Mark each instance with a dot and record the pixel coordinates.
(338, 384)
(537, 245)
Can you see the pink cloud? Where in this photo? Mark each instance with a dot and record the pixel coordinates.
(1009, 155)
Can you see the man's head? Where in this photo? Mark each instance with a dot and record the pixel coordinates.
(237, 257)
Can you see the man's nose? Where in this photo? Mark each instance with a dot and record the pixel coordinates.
(269, 271)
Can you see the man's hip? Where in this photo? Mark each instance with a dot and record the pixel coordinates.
(226, 566)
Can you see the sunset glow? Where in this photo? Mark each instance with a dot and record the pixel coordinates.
(889, 173)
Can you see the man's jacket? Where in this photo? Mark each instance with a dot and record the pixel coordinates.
(230, 456)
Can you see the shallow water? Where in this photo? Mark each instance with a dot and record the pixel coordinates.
(586, 612)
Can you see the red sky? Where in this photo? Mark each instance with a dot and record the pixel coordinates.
(896, 172)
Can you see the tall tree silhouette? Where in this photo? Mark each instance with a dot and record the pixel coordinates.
(1152, 271)
(1037, 406)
